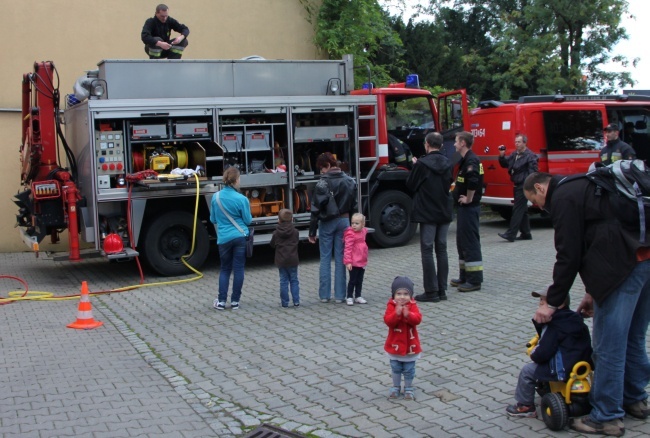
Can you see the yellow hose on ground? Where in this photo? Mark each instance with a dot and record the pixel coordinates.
(49, 296)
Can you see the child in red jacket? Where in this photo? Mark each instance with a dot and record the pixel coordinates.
(402, 345)
(355, 257)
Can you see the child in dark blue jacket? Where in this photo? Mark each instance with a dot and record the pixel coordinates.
(563, 342)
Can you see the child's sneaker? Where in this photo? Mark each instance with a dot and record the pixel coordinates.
(360, 300)
(349, 301)
(219, 305)
(234, 305)
(519, 410)
(394, 392)
(409, 394)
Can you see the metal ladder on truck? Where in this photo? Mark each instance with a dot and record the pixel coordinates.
(368, 124)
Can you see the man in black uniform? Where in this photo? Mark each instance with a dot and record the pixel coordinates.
(615, 149)
(521, 163)
(467, 195)
(156, 35)
(399, 152)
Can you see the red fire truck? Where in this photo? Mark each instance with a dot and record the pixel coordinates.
(133, 124)
(565, 131)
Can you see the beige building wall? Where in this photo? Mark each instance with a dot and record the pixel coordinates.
(77, 34)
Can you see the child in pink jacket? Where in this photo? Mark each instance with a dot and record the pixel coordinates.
(355, 257)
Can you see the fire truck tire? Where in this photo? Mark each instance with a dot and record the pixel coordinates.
(390, 216)
(504, 212)
(168, 238)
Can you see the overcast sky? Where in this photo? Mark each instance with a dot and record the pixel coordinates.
(635, 47)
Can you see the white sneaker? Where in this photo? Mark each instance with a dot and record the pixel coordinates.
(360, 300)
(349, 301)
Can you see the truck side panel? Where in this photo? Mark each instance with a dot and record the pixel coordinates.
(492, 129)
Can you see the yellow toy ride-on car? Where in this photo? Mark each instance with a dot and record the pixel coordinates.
(564, 400)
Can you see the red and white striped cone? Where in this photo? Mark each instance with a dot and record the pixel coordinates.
(85, 319)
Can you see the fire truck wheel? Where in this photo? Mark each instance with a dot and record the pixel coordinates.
(168, 238)
(504, 212)
(390, 217)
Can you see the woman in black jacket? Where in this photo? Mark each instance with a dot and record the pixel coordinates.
(331, 226)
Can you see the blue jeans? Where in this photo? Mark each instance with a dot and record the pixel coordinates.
(289, 276)
(399, 368)
(330, 238)
(233, 260)
(434, 236)
(525, 392)
(622, 370)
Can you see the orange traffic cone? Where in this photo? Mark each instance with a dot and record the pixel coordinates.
(85, 319)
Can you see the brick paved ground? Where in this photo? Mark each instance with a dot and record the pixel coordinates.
(166, 364)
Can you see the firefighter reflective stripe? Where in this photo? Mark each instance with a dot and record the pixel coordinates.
(616, 155)
(474, 266)
(460, 179)
(177, 49)
(156, 52)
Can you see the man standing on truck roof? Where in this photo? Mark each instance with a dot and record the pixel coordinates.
(156, 35)
(615, 149)
(467, 195)
(521, 163)
(615, 269)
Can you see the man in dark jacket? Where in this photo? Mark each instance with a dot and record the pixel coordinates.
(563, 342)
(467, 195)
(615, 269)
(521, 163)
(156, 35)
(615, 149)
(430, 180)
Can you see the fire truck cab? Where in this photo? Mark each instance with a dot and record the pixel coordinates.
(565, 131)
(137, 130)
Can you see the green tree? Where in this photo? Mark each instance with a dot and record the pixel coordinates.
(361, 28)
(535, 46)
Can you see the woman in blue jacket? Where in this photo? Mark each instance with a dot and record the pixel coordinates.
(229, 207)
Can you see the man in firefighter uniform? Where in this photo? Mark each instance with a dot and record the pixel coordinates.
(467, 195)
(156, 35)
(399, 152)
(615, 149)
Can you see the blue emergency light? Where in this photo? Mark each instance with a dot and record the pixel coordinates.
(367, 86)
(412, 81)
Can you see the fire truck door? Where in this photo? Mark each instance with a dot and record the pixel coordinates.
(453, 117)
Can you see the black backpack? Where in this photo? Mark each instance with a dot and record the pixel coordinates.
(629, 183)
